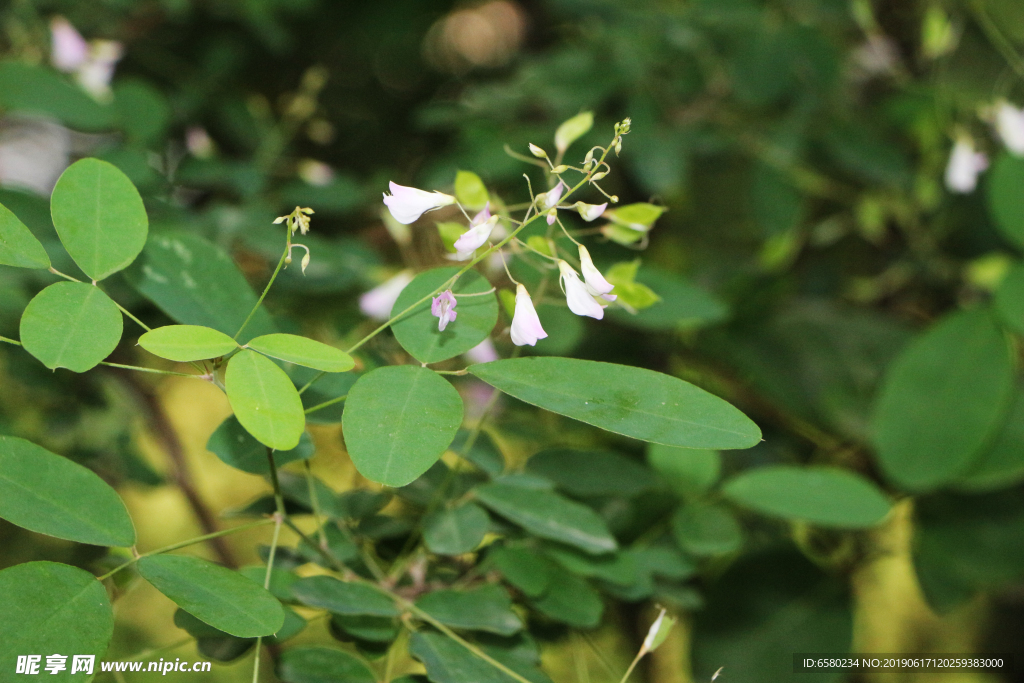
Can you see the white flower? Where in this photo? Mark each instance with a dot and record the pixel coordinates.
(595, 282)
(590, 211)
(1010, 126)
(526, 328)
(474, 238)
(96, 73)
(576, 295)
(407, 204)
(549, 199)
(378, 302)
(68, 49)
(964, 166)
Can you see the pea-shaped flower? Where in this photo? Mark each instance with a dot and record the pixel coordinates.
(589, 212)
(1010, 126)
(580, 301)
(526, 327)
(407, 204)
(443, 307)
(475, 237)
(964, 166)
(595, 282)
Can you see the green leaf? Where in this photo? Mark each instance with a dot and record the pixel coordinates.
(487, 608)
(36, 89)
(1002, 463)
(618, 568)
(196, 283)
(632, 401)
(236, 447)
(621, 234)
(398, 421)
(449, 662)
(471, 191)
(636, 295)
(265, 401)
(363, 627)
(187, 342)
(220, 597)
(450, 232)
(704, 530)
(322, 665)
(18, 246)
(417, 331)
(52, 608)
(1005, 200)
(572, 130)
(942, 400)
(639, 217)
(681, 305)
(688, 471)
(549, 515)
(525, 569)
(1009, 299)
(572, 601)
(456, 531)
(48, 494)
(825, 496)
(303, 351)
(592, 473)
(99, 217)
(71, 325)
(343, 597)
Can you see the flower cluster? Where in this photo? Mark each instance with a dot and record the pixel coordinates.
(92, 63)
(966, 163)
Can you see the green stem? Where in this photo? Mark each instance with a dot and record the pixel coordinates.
(326, 404)
(128, 313)
(10, 341)
(280, 264)
(632, 666)
(278, 519)
(137, 368)
(185, 544)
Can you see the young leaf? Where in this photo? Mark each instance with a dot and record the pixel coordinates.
(1005, 201)
(825, 496)
(71, 325)
(572, 130)
(322, 665)
(476, 316)
(49, 607)
(343, 597)
(549, 515)
(303, 351)
(636, 295)
(236, 447)
(456, 531)
(958, 379)
(398, 421)
(265, 401)
(195, 282)
(632, 401)
(639, 217)
(187, 342)
(705, 530)
(450, 232)
(48, 494)
(222, 598)
(487, 608)
(471, 191)
(99, 217)
(18, 246)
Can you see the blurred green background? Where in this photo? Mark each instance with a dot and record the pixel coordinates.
(800, 148)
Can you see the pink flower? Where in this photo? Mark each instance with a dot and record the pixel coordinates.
(526, 328)
(964, 166)
(595, 282)
(589, 212)
(443, 307)
(475, 237)
(407, 204)
(378, 302)
(68, 49)
(484, 352)
(580, 301)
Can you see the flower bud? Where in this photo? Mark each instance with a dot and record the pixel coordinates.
(538, 152)
(562, 168)
(599, 175)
